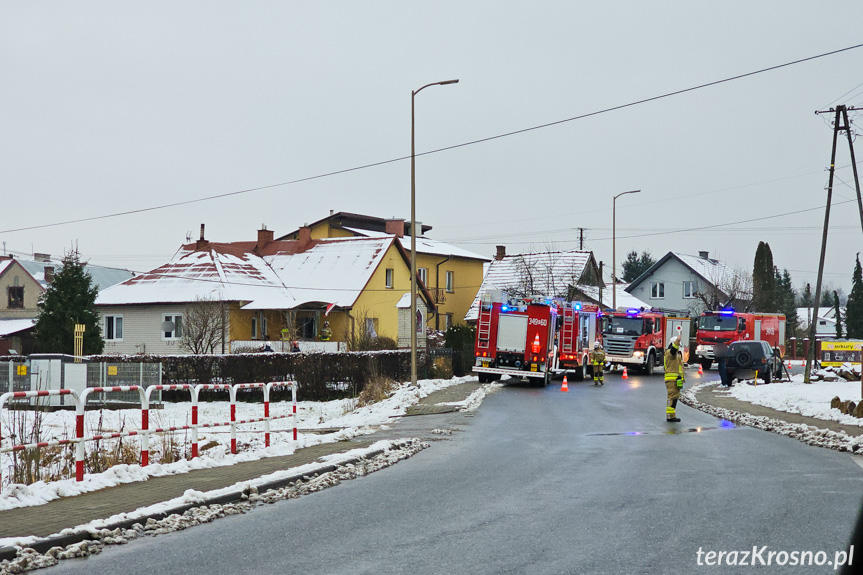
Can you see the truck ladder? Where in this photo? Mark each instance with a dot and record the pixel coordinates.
(484, 325)
(568, 335)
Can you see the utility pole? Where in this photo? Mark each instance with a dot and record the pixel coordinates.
(841, 113)
(581, 239)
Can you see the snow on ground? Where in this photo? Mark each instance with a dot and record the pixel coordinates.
(342, 414)
(811, 400)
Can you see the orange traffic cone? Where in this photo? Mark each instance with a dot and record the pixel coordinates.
(789, 364)
(700, 369)
(625, 375)
(565, 386)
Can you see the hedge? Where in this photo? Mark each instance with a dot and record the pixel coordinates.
(321, 376)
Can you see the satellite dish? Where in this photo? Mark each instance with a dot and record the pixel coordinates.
(188, 236)
(167, 326)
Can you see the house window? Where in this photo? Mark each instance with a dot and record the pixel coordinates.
(423, 274)
(450, 281)
(16, 296)
(389, 278)
(254, 327)
(657, 290)
(176, 332)
(688, 290)
(113, 328)
(265, 334)
(447, 321)
(419, 321)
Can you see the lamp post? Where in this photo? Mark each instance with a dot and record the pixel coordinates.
(414, 234)
(614, 246)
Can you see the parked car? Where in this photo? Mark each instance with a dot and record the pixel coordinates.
(753, 359)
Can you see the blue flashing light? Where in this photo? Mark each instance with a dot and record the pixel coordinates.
(577, 305)
(727, 312)
(631, 311)
(504, 308)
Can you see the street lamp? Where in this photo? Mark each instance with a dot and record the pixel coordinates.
(614, 246)
(414, 234)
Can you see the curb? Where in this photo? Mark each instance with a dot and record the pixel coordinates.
(809, 434)
(43, 545)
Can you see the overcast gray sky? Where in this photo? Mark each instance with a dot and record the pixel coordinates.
(116, 106)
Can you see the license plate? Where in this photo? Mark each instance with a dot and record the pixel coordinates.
(533, 367)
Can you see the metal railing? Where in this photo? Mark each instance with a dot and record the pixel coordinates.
(144, 395)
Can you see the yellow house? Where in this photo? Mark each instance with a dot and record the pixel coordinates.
(20, 290)
(264, 293)
(451, 275)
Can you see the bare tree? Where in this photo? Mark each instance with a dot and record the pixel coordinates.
(204, 325)
(549, 273)
(726, 288)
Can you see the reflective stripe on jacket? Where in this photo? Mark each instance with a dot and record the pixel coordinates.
(673, 365)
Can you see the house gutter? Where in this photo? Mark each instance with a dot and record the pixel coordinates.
(437, 287)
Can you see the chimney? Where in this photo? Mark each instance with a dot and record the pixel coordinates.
(304, 236)
(395, 227)
(42, 257)
(501, 253)
(201, 243)
(49, 274)
(331, 212)
(703, 255)
(265, 236)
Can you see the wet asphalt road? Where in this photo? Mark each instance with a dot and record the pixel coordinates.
(540, 481)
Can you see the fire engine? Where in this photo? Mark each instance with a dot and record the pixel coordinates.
(638, 337)
(533, 337)
(728, 325)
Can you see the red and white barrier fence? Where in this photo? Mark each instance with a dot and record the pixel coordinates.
(144, 394)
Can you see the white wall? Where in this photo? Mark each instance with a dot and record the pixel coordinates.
(142, 329)
(672, 274)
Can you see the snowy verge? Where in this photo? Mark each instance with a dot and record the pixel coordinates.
(353, 465)
(810, 434)
(474, 400)
(311, 415)
(808, 399)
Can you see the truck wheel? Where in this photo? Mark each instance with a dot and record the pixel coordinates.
(706, 363)
(483, 378)
(580, 372)
(651, 363)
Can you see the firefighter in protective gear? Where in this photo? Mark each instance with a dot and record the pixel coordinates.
(597, 360)
(326, 332)
(674, 378)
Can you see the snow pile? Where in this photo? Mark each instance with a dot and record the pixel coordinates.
(812, 435)
(100, 535)
(810, 400)
(474, 400)
(847, 371)
(310, 416)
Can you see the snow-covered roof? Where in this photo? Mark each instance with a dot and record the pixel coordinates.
(826, 316)
(102, 277)
(544, 273)
(424, 245)
(711, 270)
(625, 300)
(5, 264)
(284, 277)
(12, 326)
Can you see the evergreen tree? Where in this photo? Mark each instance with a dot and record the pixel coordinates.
(806, 298)
(763, 280)
(787, 301)
(854, 305)
(634, 266)
(69, 299)
(836, 311)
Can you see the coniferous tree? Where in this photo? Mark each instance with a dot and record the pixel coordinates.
(854, 305)
(787, 301)
(806, 296)
(838, 315)
(634, 265)
(69, 299)
(763, 280)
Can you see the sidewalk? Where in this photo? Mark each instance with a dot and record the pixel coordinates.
(67, 512)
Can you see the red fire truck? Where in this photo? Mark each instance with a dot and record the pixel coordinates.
(639, 337)
(529, 337)
(728, 325)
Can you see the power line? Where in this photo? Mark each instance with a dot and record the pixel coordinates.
(455, 146)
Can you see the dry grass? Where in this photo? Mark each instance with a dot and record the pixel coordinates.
(377, 389)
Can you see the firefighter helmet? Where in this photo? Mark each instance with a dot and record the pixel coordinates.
(597, 345)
